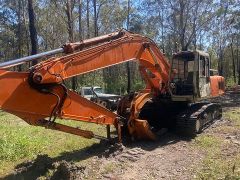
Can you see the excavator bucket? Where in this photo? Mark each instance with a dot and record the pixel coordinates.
(140, 129)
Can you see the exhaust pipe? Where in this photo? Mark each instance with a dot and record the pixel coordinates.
(23, 60)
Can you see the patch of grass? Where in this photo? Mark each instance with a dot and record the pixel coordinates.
(109, 168)
(220, 168)
(230, 82)
(207, 142)
(234, 116)
(219, 162)
(20, 141)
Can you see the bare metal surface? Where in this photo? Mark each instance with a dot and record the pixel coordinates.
(23, 60)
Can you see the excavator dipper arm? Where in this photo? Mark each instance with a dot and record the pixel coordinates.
(40, 93)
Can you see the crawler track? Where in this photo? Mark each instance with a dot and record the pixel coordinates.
(197, 117)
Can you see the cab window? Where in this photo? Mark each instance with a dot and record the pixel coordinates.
(202, 66)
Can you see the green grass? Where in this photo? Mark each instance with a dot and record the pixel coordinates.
(216, 163)
(109, 167)
(220, 168)
(234, 116)
(20, 141)
(207, 142)
(230, 82)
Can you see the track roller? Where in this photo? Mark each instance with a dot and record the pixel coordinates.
(197, 117)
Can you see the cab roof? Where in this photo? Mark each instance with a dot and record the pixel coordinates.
(189, 55)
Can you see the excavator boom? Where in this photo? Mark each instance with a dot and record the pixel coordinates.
(39, 95)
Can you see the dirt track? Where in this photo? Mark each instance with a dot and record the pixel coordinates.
(171, 157)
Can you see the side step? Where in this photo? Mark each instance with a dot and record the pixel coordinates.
(197, 117)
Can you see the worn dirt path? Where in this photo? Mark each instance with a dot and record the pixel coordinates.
(173, 158)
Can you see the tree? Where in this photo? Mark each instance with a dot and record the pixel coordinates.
(128, 64)
(32, 29)
(69, 12)
(80, 19)
(19, 31)
(95, 18)
(88, 21)
(173, 24)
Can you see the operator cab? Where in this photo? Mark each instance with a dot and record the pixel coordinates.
(190, 76)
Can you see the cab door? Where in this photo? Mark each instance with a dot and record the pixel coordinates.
(204, 76)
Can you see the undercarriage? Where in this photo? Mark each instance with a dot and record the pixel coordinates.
(182, 117)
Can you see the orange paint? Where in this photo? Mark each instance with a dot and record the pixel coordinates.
(217, 85)
(39, 94)
(45, 97)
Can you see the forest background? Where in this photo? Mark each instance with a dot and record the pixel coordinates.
(30, 26)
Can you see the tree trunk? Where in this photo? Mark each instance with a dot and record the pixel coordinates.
(128, 63)
(88, 23)
(81, 34)
(80, 19)
(220, 62)
(69, 20)
(162, 29)
(95, 18)
(238, 60)
(32, 29)
(181, 24)
(233, 63)
(26, 31)
(19, 32)
(69, 13)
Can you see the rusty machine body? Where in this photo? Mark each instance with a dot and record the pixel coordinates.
(39, 96)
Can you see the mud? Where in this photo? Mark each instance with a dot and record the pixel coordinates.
(65, 170)
(43, 165)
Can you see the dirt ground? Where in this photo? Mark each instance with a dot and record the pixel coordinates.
(171, 157)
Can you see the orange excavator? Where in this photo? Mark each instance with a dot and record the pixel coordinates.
(176, 93)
